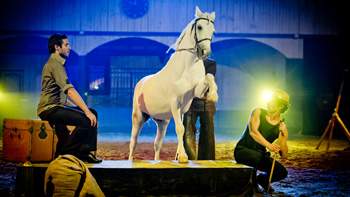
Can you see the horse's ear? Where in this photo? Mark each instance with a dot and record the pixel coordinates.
(212, 16)
(198, 12)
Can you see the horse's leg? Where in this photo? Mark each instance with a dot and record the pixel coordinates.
(175, 110)
(213, 88)
(161, 125)
(138, 120)
(202, 87)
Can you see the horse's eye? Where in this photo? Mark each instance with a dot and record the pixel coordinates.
(199, 27)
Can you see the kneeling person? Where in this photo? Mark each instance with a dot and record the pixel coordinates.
(263, 128)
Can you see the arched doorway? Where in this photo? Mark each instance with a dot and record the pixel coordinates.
(114, 69)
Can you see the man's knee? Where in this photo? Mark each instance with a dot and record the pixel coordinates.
(281, 172)
(93, 111)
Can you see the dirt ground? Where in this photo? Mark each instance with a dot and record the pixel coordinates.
(311, 172)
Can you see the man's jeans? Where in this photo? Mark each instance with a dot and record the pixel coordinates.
(83, 138)
(262, 162)
(205, 110)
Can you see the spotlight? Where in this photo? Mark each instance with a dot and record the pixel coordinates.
(266, 96)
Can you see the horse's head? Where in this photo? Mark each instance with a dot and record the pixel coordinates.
(198, 34)
(202, 30)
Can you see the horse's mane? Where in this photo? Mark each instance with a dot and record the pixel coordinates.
(179, 39)
(183, 33)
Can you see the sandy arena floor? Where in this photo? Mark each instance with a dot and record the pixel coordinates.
(311, 172)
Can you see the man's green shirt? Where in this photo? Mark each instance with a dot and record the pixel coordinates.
(54, 84)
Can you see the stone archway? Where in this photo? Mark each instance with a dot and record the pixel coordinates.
(114, 68)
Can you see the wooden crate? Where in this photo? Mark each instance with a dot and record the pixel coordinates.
(28, 139)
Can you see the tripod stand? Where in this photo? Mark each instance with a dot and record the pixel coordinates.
(335, 117)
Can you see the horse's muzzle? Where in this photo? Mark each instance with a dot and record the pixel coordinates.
(203, 53)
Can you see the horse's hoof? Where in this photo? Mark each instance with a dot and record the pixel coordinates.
(183, 159)
(214, 98)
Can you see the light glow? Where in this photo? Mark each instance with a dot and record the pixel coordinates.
(266, 96)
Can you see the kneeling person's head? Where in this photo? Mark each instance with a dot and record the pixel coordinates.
(278, 100)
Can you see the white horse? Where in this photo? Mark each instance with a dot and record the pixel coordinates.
(169, 93)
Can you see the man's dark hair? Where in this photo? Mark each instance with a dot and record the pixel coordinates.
(55, 39)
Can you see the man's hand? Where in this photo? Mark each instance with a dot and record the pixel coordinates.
(274, 148)
(282, 128)
(73, 94)
(92, 118)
